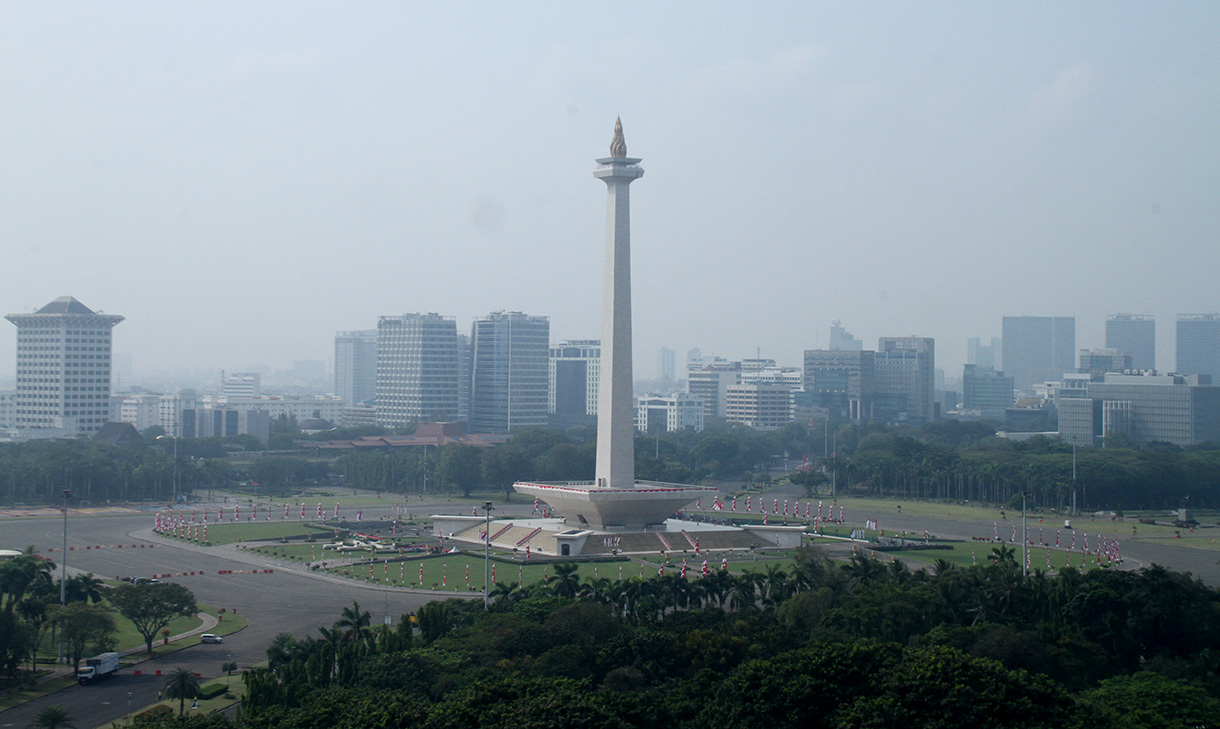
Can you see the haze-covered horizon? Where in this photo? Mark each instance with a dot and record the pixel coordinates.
(241, 181)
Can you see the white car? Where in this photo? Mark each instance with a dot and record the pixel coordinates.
(210, 638)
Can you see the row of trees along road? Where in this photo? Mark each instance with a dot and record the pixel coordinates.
(941, 460)
(31, 616)
(861, 644)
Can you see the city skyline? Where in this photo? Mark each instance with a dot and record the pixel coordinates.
(908, 172)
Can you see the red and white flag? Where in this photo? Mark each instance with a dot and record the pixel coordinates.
(734, 503)
(705, 568)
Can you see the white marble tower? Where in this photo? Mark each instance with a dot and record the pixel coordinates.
(615, 406)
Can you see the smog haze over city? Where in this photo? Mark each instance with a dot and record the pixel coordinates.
(242, 180)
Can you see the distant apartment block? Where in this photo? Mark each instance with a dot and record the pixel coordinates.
(510, 355)
(1198, 345)
(1133, 334)
(142, 410)
(1179, 409)
(759, 406)
(669, 413)
(575, 374)
(207, 422)
(1038, 349)
(63, 368)
(356, 366)
(417, 369)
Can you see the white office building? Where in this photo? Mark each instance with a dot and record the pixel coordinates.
(63, 368)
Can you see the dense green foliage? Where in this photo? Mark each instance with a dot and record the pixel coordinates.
(863, 644)
(941, 460)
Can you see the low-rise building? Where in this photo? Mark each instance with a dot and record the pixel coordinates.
(759, 406)
(1179, 409)
(668, 413)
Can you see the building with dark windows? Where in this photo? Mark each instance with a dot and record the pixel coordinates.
(986, 390)
(1133, 334)
(841, 382)
(509, 366)
(356, 366)
(1038, 349)
(575, 368)
(1198, 345)
(1097, 362)
(63, 369)
(904, 370)
(417, 369)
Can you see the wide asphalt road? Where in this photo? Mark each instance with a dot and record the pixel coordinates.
(289, 600)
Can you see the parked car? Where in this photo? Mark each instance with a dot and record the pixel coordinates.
(210, 638)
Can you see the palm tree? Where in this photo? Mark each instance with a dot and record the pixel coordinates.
(181, 684)
(355, 624)
(84, 588)
(53, 717)
(566, 582)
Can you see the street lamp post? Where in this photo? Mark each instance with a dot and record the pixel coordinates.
(228, 669)
(487, 509)
(174, 483)
(128, 707)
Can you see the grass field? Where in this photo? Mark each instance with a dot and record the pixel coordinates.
(241, 532)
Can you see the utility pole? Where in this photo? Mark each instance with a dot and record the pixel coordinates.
(1074, 512)
(1024, 538)
(487, 509)
(63, 565)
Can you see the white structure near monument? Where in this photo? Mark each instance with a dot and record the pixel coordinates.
(614, 511)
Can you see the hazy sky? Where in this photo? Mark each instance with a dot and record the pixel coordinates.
(240, 180)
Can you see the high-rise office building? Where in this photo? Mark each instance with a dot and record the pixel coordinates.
(840, 382)
(575, 373)
(509, 365)
(666, 361)
(356, 366)
(986, 390)
(1198, 345)
(417, 369)
(842, 340)
(1133, 334)
(905, 367)
(984, 355)
(63, 367)
(1038, 349)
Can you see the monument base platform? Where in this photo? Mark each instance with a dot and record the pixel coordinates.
(555, 538)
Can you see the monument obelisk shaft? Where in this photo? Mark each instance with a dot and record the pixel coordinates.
(615, 402)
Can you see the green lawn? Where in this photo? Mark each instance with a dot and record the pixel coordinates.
(244, 532)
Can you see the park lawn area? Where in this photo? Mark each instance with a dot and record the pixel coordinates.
(1188, 540)
(966, 554)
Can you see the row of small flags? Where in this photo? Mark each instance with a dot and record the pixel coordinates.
(219, 516)
(718, 505)
(1104, 546)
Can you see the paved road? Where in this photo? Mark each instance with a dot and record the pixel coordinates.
(288, 600)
